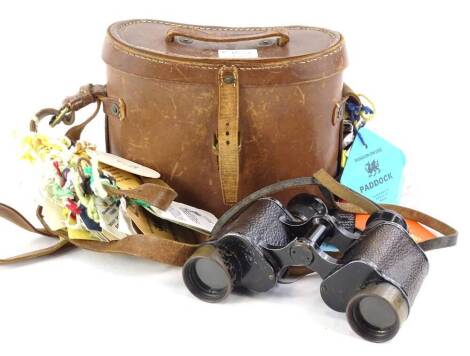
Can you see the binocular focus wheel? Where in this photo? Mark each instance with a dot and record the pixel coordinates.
(377, 312)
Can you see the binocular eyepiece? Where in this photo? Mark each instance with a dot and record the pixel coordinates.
(373, 276)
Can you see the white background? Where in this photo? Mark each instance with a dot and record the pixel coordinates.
(412, 58)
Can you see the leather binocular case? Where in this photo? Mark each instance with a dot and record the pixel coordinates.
(219, 127)
(373, 275)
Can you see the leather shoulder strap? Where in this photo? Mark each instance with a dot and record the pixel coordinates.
(15, 217)
(151, 246)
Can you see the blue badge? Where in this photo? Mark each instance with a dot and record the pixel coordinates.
(375, 168)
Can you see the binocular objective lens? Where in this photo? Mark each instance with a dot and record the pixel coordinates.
(210, 274)
(377, 312)
(207, 279)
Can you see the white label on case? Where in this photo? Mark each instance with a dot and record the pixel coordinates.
(187, 216)
(238, 53)
(125, 164)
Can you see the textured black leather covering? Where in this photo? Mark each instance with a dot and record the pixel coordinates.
(395, 255)
(240, 244)
(385, 249)
(259, 223)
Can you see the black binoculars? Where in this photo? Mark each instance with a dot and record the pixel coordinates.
(374, 275)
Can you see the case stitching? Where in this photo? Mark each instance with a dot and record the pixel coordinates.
(216, 28)
(183, 83)
(217, 67)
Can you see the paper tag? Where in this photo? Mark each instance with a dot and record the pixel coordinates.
(53, 214)
(146, 223)
(238, 53)
(108, 211)
(140, 219)
(125, 222)
(150, 224)
(125, 164)
(187, 216)
(124, 180)
(375, 169)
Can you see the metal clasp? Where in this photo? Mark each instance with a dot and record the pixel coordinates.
(65, 115)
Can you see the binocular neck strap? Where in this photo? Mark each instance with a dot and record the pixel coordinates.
(356, 203)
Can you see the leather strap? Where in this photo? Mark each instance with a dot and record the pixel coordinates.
(158, 248)
(12, 215)
(156, 195)
(75, 132)
(15, 217)
(152, 246)
(87, 94)
(228, 133)
(449, 234)
(156, 192)
(345, 193)
(35, 254)
(357, 203)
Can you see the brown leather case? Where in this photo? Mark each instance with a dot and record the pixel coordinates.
(218, 129)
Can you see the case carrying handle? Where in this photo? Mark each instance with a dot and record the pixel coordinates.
(282, 37)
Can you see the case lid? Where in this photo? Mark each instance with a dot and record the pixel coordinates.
(263, 55)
